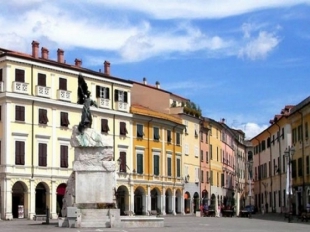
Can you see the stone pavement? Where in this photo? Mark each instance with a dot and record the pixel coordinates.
(258, 223)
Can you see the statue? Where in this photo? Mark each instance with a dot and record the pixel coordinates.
(84, 98)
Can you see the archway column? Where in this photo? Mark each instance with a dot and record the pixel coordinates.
(182, 203)
(7, 193)
(132, 199)
(53, 200)
(32, 200)
(163, 201)
(173, 202)
(148, 200)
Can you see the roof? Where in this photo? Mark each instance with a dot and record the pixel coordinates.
(301, 105)
(6, 52)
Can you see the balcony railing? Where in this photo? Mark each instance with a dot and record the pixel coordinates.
(123, 106)
(103, 103)
(43, 91)
(64, 95)
(20, 87)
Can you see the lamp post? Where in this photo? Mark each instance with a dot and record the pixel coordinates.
(289, 152)
(250, 165)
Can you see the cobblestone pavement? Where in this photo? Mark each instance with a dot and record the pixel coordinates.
(258, 223)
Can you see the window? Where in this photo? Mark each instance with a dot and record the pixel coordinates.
(0, 152)
(201, 155)
(169, 166)
(282, 133)
(63, 156)
(156, 133)
(20, 113)
(293, 168)
(178, 167)
(207, 157)
(120, 96)
(104, 125)
(168, 136)
(19, 153)
(211, 156)
(156, 165)
(207, 177)
(139, 131)
(0, 112)
(42, 154)
(178, 138)
(306, 130)
(64, 121)
(123, 129)
(268, 142)
(223, 180)
(123, 164)
(62, 84)
(1, 74)
(299, 132)
(299, 166)
(294, 135)
(196, 130)
(41, 79)
(102, 92)
(140, 163)
(19, 75)
(43, 116)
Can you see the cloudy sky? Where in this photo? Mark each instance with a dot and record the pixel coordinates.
(242, 60)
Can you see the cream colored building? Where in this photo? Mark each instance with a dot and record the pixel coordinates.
(38, 111)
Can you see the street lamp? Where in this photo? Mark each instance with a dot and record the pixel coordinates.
(250, 165)
(289, 152)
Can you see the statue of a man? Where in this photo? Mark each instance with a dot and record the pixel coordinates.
(84, 98)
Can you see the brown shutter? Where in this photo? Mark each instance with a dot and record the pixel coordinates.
(64, 119)
(116, 95)
(22, 153)
(125, 97)
(41, 79)
(62, 84)
(104, 126)
(19, 75)
(97, 91)
(123, 164)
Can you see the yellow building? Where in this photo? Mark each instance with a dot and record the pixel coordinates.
(155, 182)
(300, 165)
(38, 111)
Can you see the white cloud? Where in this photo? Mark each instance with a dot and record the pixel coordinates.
(260, 47)
(252, 129)
(163, 9)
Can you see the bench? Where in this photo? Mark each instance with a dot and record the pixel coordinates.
(227, 213)
(153, 213)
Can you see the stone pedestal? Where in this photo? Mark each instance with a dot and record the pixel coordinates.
(91, 186)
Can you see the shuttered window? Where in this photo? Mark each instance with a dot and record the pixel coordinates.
(156, 165)
(178, 168)
(169, 166)
(140, 163)
(19, 153)
(123, 129)
(43, 116)
(104, 126)
(64, 121)
(19, 113)
(19, 75)
(62, 83)
(41, 79)
(63, 156)
(123, 164)
(102, 92)
(42, 154)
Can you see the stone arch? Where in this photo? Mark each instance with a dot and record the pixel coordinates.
(60, 193)
(187, 202)
(42, 198)
(168, 201)
(19, 199)
(139, 201)
(156, 199)
(122, 199)
(178, 201)
(196, 201)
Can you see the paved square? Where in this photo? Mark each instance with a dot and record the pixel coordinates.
(259, 223)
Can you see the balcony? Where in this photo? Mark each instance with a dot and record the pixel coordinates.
(43, 91)
(1, 86)
(20, 87)
(64, 95)
(122, 106)
(103, 103)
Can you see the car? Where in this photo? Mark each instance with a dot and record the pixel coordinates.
(250, 208)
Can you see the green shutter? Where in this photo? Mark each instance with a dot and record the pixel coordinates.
(139, 163)
(169, 166)
(178, 167)
(156, 165)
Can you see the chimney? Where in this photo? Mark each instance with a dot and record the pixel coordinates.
(107, 67)
(223, 120)
(144, 81)
(78, 62)
(44, 52)
(35, 49)
(60, 55)
(157, 85)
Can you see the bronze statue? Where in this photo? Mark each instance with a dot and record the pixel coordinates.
(84, 98)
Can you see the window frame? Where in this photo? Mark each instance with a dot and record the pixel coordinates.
(20, 152)
(62, 84)
(156, 136)
(43, 116)
(122, 129)
(20, 113)
(105, 125)
(102, 92)
(123, 163)
(42, 79)
(156, 164)
(42, 154)
(20, 75)
(140, 131)
(64, 119)
(139, 163)
(64, 156)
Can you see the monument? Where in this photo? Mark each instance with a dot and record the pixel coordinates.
(89, 200)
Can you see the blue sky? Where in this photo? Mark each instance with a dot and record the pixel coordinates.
(242, 60)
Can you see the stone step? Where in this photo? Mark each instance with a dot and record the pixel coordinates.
(95, 224)
(95, 219)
